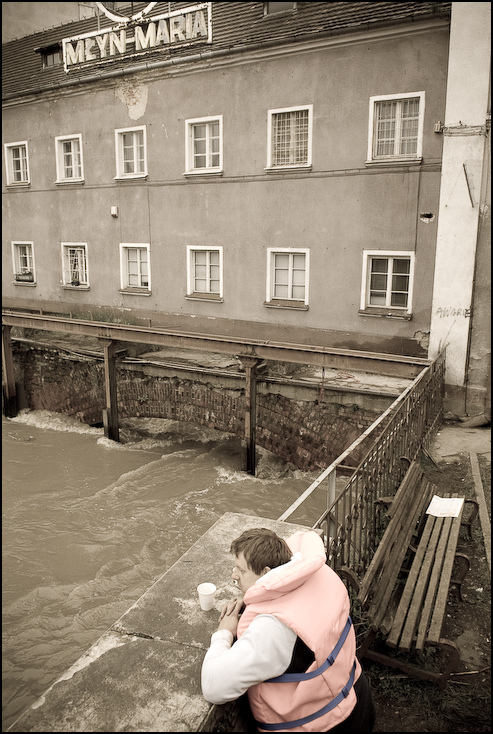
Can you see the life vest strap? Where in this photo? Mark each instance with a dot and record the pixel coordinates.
(325, 710)
(297, 677)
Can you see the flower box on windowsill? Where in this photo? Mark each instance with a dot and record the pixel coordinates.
(24, 277)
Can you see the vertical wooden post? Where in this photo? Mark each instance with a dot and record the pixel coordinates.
(10, 407)
(250, 365)
(110, 414)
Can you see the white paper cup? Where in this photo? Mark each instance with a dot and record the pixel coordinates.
(206, 596)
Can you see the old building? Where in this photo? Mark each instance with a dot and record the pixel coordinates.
(272, 170)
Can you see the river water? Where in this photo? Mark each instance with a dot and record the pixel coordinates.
(90, 524)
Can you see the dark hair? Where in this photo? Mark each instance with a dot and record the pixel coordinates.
(261, 548)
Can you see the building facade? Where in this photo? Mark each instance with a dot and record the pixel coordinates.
(272, 170)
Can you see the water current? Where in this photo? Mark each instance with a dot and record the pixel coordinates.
(90, 524)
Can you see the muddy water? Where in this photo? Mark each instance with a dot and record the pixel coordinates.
(89, 525)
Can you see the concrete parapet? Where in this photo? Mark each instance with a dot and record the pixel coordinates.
(143, 674)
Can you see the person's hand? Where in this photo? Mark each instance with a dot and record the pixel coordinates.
(229, 615)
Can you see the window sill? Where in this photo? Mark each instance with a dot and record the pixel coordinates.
(289, 169)
(24, 283)
(73, 182)
(209, 297)
(293, 305)
(133, 177)
(394, 162)
(20, 185)
(69, 287)
(203, 172)
(134, 292)
(388, 313)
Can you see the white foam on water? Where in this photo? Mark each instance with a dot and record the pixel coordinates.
(54, 422)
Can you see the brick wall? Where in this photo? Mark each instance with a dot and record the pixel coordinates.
(309, 434)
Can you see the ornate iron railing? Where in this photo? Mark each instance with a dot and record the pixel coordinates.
(409, 424)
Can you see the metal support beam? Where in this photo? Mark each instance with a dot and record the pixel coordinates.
(250, 411)
(110, 414)
(10, 407)
(329, 357)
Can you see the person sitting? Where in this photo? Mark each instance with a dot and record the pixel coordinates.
(289, 642)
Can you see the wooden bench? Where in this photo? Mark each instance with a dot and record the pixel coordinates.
(404, 590)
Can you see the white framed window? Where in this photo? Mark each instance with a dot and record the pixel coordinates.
(395, 131)
(131, 152)
(68, 151)
(204, 145)
(74, 264)
(289, 137)
(205, 272)
(23, 262)
(387, 282)
(287, 276)
(134, 267)
(17, 163)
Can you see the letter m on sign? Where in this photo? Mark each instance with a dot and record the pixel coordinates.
(74, 56)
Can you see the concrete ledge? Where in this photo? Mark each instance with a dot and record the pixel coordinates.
(143, 674)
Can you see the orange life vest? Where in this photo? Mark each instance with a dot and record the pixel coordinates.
(310, 598)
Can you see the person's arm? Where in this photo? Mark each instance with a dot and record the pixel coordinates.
(262, 652)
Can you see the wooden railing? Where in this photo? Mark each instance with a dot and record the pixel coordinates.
(381, 456)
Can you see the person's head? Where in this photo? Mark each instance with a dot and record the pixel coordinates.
(257, 551)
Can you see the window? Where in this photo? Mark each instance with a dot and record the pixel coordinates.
(270, 8)
(131, 153)
(23, 260)
(69, 158)
(396, 128)
(289, 140)
(17, 164)
(52, 57)
(287, 277)
(205, 272)
(74, 264)
(387, 283)
(134, 266)
(204, 148)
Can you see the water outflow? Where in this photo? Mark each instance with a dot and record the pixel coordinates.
(89, 525)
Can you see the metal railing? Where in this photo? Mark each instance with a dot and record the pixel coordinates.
(409, 424)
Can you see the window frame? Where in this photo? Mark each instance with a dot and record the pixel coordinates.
(16, 262)
(372, 129)
(67, 282)
(388, 310)
(120, 162)
(289, 302)
(207, 295)
(190, 169)
(125, 287)
(268, 11)
(8, 148)
(271, 166)
(59, 156)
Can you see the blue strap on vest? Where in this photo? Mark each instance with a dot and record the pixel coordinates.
(297, 677)
(325, 710)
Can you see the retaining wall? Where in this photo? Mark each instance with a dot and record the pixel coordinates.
(299, 426)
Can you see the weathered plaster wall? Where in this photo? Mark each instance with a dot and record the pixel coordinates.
(337, 210)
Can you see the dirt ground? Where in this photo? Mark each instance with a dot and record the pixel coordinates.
(404, 704)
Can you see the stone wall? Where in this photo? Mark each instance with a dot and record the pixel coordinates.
(310, 432)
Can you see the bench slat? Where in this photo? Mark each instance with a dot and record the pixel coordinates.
(401, 613)
(385, 547)
(421, 586)
(435, 628)
(432, 596)
(386, 583)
